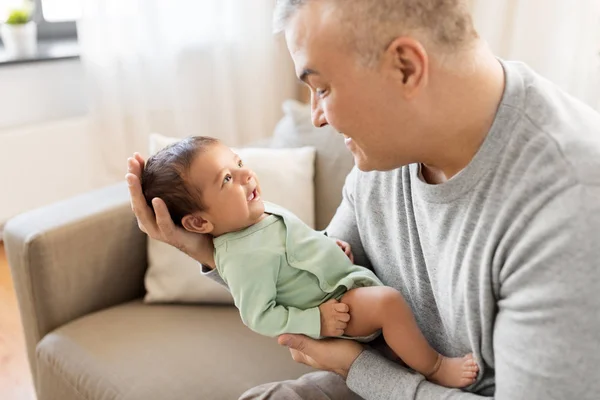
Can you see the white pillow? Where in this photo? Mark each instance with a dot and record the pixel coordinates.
(286, 177)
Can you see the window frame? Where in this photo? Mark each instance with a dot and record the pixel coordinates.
(53, 30)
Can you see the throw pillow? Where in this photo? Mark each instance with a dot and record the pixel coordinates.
(333, 160)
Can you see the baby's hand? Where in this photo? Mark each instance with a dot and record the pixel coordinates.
(334, 318)
(346, 249)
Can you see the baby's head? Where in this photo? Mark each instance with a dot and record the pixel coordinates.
(205, 186)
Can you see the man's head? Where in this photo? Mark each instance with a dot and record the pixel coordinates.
(371, 66)
(205, 186)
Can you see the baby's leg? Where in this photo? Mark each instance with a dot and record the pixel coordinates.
(381, 307)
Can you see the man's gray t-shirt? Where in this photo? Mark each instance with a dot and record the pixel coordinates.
(502, 260)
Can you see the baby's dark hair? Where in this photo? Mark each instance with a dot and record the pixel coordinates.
(166, 176)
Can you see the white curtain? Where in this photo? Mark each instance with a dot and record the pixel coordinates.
(560, 39)
(181, 67)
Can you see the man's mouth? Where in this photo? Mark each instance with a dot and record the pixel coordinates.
(253, 195)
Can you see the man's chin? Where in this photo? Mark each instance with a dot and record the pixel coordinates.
(363, 163)
(364, 166)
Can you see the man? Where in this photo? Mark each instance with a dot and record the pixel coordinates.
(476, 194)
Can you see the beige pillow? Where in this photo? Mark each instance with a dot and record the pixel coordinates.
(286, 177)
(333, 160)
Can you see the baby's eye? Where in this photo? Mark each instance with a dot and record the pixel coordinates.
(320, 92)
(228, 178)
(240, 164)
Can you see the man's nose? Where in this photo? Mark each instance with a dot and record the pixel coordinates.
(318, 116)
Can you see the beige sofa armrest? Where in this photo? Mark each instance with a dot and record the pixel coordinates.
(73, 258)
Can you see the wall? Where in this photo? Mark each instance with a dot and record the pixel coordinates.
(45, 141)
(558, 39)
(39, 92)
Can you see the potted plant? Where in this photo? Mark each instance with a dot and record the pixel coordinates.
(19, 32)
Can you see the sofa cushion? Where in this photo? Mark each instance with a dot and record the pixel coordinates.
(139, 351)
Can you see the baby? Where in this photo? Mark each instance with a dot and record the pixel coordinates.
(284, 276)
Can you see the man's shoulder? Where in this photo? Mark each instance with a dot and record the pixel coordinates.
(558, 127)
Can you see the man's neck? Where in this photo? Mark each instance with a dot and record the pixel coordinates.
(470, 104)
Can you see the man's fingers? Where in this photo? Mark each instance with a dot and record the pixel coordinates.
(140, 208)
(297, 342)
(341, 307)
(133, 167)
(135, 164)
(142, 227)
(298, 356)
(163, 220)
(140, 160)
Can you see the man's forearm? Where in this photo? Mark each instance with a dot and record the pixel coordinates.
(374, 377)
(205, 258)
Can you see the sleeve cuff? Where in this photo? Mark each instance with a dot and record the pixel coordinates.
(205, 270)
(316, 318)
(373, 376)
(212, 274)
(306, 322)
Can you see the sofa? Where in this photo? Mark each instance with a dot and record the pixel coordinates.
(78, 268)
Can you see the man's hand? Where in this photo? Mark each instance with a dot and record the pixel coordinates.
(336, 355)
(199, 247)
(334, 318)
(345, 248)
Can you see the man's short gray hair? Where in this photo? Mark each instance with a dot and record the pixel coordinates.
(373, 24)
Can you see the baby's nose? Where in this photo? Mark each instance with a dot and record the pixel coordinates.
(246, 175)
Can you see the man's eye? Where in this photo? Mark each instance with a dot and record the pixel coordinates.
(240, 164)
(227, 179)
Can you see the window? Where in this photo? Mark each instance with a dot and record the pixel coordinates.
(60, 10)
(55, 18)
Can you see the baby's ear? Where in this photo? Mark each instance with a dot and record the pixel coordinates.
(196, 224)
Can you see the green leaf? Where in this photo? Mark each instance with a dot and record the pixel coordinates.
(18, 17)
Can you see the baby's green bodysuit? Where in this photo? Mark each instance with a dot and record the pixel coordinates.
(279, 271)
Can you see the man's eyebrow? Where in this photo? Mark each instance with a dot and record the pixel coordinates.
(306, 73)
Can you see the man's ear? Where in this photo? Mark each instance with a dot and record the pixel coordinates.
(195, 223)
(408, 62)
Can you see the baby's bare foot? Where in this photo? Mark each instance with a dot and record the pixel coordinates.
(456, 372)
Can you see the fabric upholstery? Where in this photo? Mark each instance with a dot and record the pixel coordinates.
(138, 351)
(73, 258)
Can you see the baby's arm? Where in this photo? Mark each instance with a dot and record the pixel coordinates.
(252, 279)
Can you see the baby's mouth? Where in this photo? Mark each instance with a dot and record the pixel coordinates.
(253, 195)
